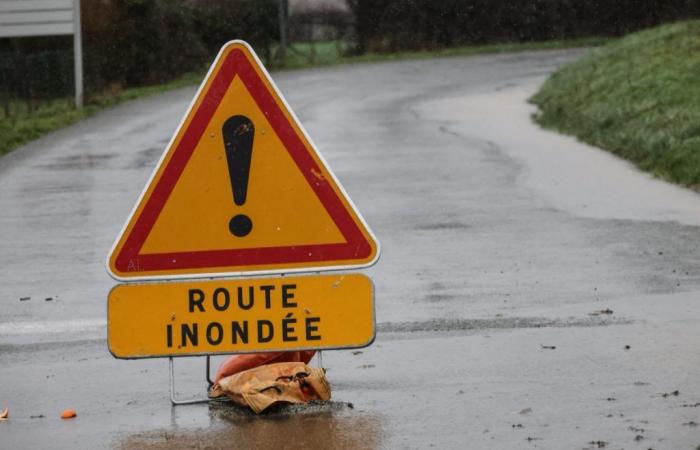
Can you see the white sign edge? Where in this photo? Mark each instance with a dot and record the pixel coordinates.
(141, 196)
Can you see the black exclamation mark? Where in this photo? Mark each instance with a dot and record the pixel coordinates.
(238, 134)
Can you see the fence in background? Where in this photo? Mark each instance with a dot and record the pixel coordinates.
(23, 18)
(26, 79)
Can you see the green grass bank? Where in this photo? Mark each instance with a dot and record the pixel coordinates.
(638, 97)
(22, 126)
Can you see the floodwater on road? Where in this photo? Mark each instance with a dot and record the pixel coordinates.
(533, 292)
(331, 425)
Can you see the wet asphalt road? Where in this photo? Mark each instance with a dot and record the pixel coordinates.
(533, 292)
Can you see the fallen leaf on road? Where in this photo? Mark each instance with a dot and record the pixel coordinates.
(68, 414)
(5, 414)
(525, 411)
(602, 311)
(675, 393)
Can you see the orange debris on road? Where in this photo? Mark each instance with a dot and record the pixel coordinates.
(68, 414)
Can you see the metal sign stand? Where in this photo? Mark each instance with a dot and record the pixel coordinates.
(175, 401)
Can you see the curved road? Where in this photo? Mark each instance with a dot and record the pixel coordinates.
(532, 291)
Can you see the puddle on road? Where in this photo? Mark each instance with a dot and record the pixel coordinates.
(145, 158)
(317, 426)
(452, 325)
(80, 162)
(435, 226)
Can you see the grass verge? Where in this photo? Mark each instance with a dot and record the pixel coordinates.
(332, 53)
(638, 97)
(22, 126)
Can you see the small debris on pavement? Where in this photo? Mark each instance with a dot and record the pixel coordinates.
(517, 425)
(690, 405)
(548, 347)
(606, 311)
(48, 299)
(627, 347)
(366, 366)
(68, 414)
(24, 299)
(525, 411)
(37, 416)
(675, 393)
(4, 414)
(611, 399)
(357, 352)
(641, 383)
(638, 438)
(692, 423)
(598, 444)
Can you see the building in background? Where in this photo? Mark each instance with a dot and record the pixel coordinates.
(319, 20)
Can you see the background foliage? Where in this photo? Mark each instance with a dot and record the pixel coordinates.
(133, 43)
(638, 97)
(395, 25)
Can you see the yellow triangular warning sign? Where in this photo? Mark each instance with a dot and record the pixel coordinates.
(240, 189)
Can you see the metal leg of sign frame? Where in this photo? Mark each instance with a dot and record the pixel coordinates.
(175, 401)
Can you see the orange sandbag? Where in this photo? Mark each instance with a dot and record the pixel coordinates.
(270, 384)
(239, 363)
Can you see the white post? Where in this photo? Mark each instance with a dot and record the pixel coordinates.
(78, 55)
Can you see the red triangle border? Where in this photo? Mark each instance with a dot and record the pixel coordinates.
(355, 248)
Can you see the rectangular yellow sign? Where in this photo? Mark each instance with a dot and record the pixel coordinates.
(240, 316)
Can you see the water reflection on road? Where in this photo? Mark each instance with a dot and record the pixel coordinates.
(332, 425)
